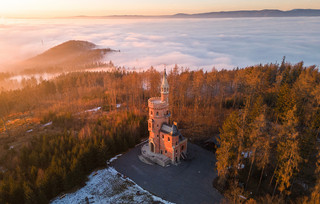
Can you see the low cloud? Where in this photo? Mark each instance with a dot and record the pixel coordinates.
(192, 43)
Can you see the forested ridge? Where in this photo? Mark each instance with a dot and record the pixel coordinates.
(267, 118)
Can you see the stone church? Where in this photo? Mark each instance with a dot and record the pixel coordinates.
(165, 139)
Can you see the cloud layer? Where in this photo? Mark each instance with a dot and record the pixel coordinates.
(193, 43)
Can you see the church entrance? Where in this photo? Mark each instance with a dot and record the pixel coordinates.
(151, 147)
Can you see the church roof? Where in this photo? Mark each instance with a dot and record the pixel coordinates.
(168, 129)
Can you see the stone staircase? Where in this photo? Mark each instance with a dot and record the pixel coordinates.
(149, 157)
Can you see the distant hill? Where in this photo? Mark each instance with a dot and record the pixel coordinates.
(72, 54)
(227, 14)
(254, 13)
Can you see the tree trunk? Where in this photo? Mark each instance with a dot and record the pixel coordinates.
(291, 187)
(260, 178)
(273, 174)
(249, 171)
(274, 190)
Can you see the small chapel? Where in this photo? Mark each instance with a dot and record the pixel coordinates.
(165, 139)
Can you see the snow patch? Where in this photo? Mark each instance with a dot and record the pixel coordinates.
(29, 130)
(47, 124)
(246, 154)
(114, 158)
(11, 147)
(240, 166)
(94, 109)
(109, 186)
(241, 196)
(118, 105)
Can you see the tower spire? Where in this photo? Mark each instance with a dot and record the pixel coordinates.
(164, 87)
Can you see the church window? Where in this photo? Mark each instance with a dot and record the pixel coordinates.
(168, 139)
(157, 113)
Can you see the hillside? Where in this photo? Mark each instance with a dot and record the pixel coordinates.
(69, 55)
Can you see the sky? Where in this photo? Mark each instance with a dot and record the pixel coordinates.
(66, 8)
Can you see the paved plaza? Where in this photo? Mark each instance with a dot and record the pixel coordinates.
(188, 182)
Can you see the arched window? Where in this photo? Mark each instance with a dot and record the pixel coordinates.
(168, 139)
(157, 113)
(151, 112)
(182, 147)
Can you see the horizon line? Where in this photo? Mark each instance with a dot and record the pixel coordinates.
(154, 16)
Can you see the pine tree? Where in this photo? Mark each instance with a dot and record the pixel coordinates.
(257, 139)
(288, 152)
(227, 152)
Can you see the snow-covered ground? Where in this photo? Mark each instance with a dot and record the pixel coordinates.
(109, 186)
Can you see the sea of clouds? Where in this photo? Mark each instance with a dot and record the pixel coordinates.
(192, 43)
